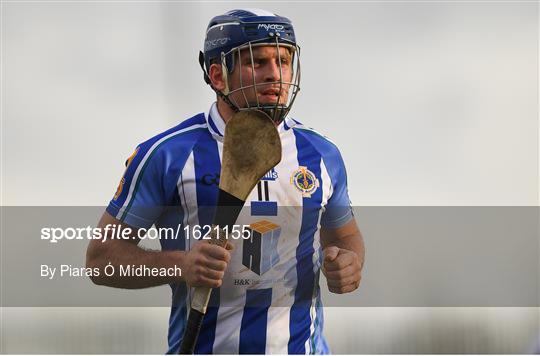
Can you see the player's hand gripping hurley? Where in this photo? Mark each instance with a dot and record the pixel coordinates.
(251, 148)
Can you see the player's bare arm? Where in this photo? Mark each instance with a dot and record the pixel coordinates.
(203, 265)
(343, 250)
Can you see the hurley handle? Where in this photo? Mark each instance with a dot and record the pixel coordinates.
(191, 333)
(199, 303)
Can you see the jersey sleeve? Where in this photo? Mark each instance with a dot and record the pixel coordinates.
(338, 209)
(141, 194)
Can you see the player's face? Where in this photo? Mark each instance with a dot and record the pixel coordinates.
(267, 73)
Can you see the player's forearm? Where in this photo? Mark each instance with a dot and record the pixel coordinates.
(347, 237)
(127, 257)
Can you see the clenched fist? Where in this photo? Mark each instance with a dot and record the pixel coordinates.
(205, 264)
(342, 269)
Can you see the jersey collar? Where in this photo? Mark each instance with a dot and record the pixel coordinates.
(216, 125)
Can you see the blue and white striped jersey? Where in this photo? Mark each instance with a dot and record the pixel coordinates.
(278, 267)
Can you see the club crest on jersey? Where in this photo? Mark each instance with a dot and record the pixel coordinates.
(305, 181)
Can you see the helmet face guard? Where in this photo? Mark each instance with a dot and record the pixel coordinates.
(246, 96)
(238, 33)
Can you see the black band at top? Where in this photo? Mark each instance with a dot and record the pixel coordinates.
(228, 209)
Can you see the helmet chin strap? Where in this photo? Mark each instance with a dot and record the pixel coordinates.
(224, 94)
(219, 93)
(227, 101)
(276, 113)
